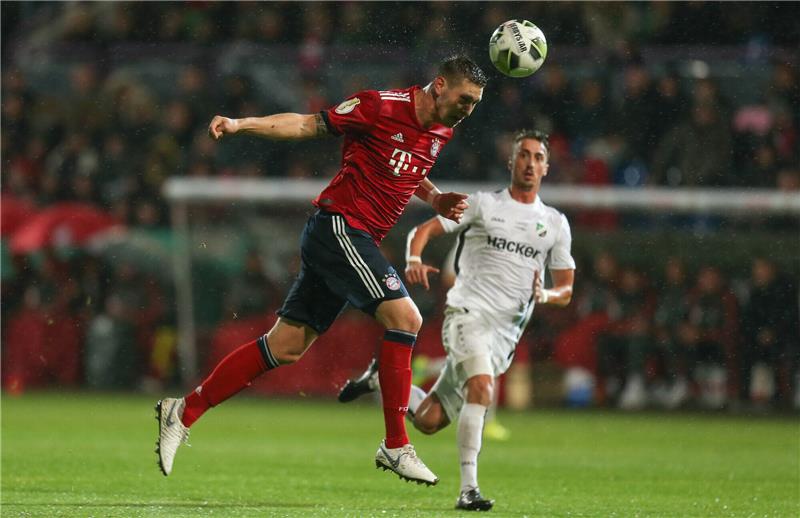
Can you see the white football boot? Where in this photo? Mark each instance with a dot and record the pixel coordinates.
(405, 463)
(171, 432)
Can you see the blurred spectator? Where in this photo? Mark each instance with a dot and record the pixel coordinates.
(709, 335)
(178, 122)
(117, 171)
(112, 358)
(251, 293)
(705, 91)
(171, 25)
(771, 334)
(671, 312)
(141, 305)
(624, 345)
(759, 168)
(696, 152)
(577, 346)
(42, 340)
(590, 118)
(784, 89)
(87, 109)
(354, 24)
(670, 103)
(555, 99)
(194, 90)
(318, 29)
(636, 113)
(70, 167)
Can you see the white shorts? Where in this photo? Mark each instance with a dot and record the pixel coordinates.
(473, 347)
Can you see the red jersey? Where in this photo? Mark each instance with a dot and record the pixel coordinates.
(385, 156)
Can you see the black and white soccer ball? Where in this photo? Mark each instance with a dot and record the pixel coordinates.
(517, 48)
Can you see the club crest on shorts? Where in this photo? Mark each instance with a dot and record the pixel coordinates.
(392, 281)
(347, 106)
(436, 145)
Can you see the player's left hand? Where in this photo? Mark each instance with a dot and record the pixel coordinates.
(417, 273)
(451, 205)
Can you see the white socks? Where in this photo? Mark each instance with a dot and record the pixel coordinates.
(470, 430)
(417, 395)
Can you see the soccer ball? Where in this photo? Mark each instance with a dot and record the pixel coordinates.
(517, 48)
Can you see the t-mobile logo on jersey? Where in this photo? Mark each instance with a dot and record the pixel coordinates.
(401, 160)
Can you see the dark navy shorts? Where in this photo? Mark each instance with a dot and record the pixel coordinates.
(340, 265)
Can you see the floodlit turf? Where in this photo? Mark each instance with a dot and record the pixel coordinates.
(92, 455)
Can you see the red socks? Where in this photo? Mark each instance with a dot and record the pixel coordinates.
(235, 372)
(394, 372)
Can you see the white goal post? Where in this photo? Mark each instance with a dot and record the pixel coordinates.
(181, 193)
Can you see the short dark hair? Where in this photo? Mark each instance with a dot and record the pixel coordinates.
(534, 134)
(462, 67)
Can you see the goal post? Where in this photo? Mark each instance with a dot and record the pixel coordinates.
(293, 196)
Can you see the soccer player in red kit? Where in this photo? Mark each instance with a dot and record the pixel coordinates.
(392, 139)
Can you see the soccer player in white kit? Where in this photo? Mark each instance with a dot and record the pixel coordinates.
(505, 240)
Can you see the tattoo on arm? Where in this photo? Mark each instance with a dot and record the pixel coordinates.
(321, 127)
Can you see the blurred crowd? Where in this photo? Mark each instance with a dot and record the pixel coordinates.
(639, 337)
(667, 336)
(97, 131)
(102, 102)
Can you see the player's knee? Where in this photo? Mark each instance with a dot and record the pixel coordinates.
(287, 341)
(408, 320)
(400, 314)
(412, 320)
(287, 351)
(430, 416)
(427, 426)
(480, 390)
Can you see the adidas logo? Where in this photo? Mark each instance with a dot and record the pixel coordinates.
(398, 137)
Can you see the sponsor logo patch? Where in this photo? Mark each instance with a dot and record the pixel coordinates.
(347, 106)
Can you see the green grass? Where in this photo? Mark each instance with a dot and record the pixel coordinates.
(92, 455)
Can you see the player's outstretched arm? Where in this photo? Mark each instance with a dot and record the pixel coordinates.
(281, 126)
(450, 205)
(561, 292)
(417, 272)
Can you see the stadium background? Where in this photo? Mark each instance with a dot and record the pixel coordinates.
(104, 102)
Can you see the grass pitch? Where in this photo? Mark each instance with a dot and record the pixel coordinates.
(92, 455)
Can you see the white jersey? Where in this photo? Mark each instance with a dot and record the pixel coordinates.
(501, 243)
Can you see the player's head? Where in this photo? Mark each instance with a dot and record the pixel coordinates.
(458, 87)
(529, 160)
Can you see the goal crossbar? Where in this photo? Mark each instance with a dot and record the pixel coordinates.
(653, 199)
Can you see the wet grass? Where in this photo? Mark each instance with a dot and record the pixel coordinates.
(92, 455)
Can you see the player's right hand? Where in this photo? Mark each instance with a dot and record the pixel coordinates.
(221, 125)
(539, 293)
(451, 205)
(417, 273)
